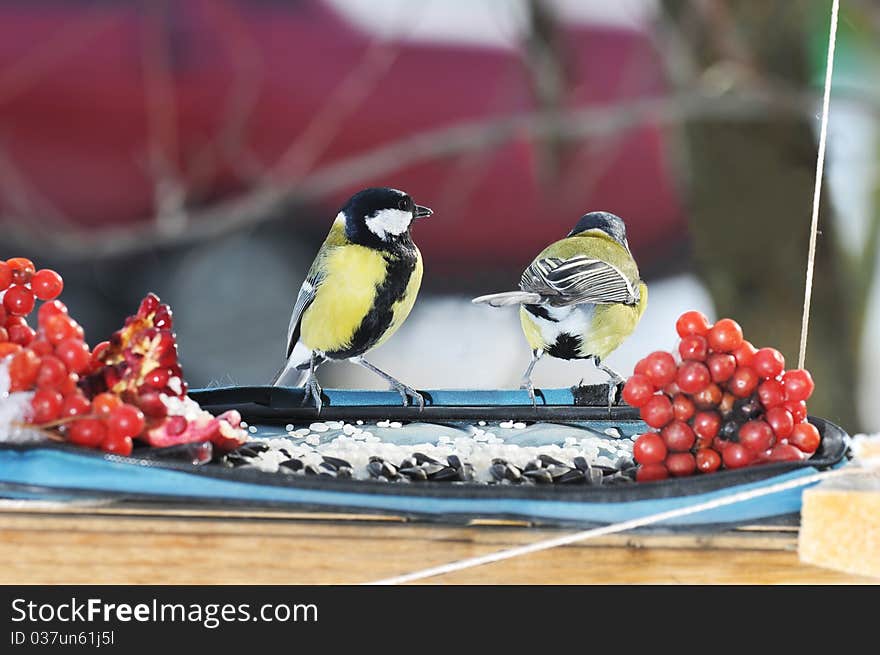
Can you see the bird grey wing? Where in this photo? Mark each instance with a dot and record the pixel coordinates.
(578, 280)
(307, 293)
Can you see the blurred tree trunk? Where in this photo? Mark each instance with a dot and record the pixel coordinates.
(750, 191)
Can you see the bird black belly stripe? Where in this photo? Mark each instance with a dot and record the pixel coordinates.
(400, 266)
(566, 346)
(540, 312)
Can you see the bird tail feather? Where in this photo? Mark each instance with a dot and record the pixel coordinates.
(295, 371)
(509, 298)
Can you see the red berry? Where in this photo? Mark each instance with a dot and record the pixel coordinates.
(75, 355)
(725, 336)
(21, 333)
(641, 367)
(783, 452)
(798, 384)
(657, 412)
(743, 382)
(681, 464)
(86, 432)
(757, 436)
(706, 425)
(4, 334)
(19, 300)
(22, 269)
(52, 373)
(692, 323)
(660, 368)
(721, 366)
(59, 327)
(97, 355)
(678, 437)
(5, 275)
(23, 370)
(736, 456)
(781, 421)
(798, 409)
(693, 377)
(41, 346)
(672, 390)
(126, 421)
(806, 437)
(76, 404)
(7, 349)
(636, 392)
(745, 354)
(651, 472)
(708, 398)
(682, 407)
(69, 385)
(708, 460)
(771, 393)
(106, 403)
(768, 363)
(46, 406)
(51, 308)
(694, 347)
(117, 444)
(649, 449)
(46, 284)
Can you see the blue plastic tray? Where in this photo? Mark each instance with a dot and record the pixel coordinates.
(60, 472)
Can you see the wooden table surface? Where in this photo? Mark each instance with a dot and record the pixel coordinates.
(45, 543)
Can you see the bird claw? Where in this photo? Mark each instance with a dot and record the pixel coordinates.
(313, 390)
(613, 390)
(528, 386)
(408, 392)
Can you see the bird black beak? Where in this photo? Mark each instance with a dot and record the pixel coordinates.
(423, 212)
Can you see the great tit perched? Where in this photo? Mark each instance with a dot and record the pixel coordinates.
(580, 298)
(359, 290)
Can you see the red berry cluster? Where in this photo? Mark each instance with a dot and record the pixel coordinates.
(102, 398)
(721, 404)
(52, 360)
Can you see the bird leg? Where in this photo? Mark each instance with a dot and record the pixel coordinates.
(404, 391)
(614, 380)
(312, 388)
(526, 382)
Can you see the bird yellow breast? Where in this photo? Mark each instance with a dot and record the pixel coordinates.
(612, 324)
(531, 330)
(351, 275)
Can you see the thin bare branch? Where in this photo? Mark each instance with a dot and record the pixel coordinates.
(263, 203)
(170, 192)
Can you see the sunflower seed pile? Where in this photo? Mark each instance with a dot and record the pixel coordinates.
(504, 453)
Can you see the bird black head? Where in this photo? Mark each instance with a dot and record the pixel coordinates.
(610, 224)
(380, 216)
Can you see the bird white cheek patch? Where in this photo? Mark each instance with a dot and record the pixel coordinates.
(389, 222)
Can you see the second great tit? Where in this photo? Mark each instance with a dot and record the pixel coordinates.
(359, 290)
(580, 298)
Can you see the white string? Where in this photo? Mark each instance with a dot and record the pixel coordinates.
(564, 540)
(817, 190)
(719, 502)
